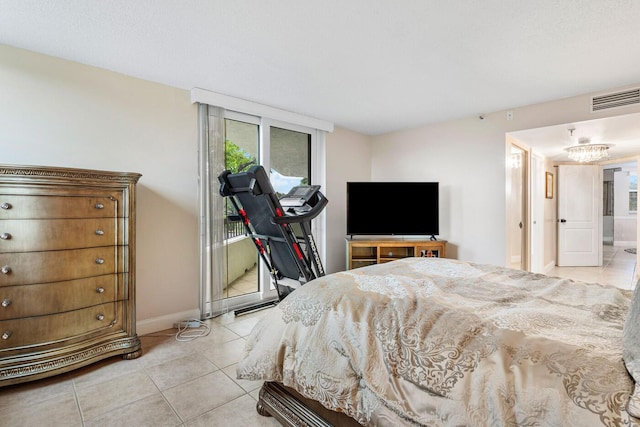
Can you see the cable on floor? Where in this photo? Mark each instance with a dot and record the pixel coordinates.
(189, 330)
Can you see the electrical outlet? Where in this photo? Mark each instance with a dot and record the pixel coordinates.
(186, 324)
(509, 115)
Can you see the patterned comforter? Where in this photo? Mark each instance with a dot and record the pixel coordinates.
(438, 342)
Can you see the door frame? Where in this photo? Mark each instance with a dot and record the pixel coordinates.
(537, 222)
(207, 186)
(526, 179)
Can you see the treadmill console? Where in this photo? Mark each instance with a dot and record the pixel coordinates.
(299, 196)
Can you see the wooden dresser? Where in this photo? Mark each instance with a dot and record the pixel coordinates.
(67, 269)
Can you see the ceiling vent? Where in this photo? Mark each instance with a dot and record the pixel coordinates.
(615, 100)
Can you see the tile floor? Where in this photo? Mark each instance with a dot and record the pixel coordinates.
(245, 284)
(173, 383)
(190, 384)
(618, 268)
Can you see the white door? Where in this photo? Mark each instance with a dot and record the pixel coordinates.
(579, 215)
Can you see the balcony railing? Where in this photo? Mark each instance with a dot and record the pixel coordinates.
(233, 228)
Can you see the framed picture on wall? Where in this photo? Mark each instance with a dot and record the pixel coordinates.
(548, 185)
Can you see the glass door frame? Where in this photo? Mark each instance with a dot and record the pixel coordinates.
(265, 292)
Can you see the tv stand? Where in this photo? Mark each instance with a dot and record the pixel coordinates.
(368, 252)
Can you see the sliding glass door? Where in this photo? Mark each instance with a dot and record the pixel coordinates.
(241, 151)
(233, 276)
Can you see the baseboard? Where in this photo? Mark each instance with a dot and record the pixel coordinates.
(623, 243)
(547, 268)
(149, 326)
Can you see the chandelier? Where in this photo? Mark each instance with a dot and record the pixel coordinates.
(585, 151)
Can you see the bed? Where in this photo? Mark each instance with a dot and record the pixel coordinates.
(439, 342)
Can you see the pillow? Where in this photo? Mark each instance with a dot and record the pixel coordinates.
(631, 350)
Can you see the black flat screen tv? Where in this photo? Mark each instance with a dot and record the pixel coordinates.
(393, 208)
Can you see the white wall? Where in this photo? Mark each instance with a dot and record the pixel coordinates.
(467, 157)
(348, 159)
(58, 113)
(550, 221)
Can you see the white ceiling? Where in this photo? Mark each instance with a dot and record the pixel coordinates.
(620, 133)
(372, 66)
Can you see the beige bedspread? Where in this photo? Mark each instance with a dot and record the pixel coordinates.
(437, 342)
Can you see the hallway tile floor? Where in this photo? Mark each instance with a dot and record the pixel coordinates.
(618, 269)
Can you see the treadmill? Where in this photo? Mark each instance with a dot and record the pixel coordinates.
(280, 228)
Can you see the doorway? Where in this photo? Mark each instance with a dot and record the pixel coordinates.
(620, 204)
(620, 132)
(517, 206)
(607, 205)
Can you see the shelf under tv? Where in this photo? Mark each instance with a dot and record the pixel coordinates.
(362, 252)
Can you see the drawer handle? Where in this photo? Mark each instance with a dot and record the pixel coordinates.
(5, 302)
(99, 289)
(5, 236)
(100, 232)
(6, 206)
(6, 335)
(5, 269)
(99, 261)
(100, 317)
(99, 206)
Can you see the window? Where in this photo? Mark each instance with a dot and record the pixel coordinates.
(290, 155)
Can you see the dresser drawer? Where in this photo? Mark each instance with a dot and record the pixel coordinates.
(27, 268)
(47, 298)
(27, 206)
(43, 330)
(30, 235)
